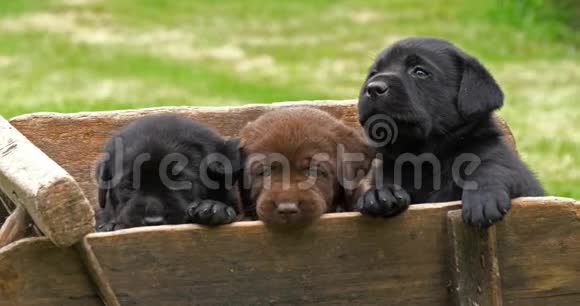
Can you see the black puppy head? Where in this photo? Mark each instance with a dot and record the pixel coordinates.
(134, 192)
(153, 179)
(426, 86)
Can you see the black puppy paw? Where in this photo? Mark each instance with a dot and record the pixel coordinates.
(210, 212)
(385, 201)
(484, 208)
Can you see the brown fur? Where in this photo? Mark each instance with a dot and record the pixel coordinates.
(299, 136)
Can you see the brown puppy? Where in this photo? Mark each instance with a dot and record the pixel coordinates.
(300, 163)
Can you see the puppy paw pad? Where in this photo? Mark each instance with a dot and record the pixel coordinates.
(211, 212)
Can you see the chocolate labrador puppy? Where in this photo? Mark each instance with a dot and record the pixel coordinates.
(167, 169)
(438, 139)
(301, 162)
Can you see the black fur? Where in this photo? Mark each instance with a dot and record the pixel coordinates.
(152, 174)
(441, 101)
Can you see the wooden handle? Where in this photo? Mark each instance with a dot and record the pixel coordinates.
(50, 195)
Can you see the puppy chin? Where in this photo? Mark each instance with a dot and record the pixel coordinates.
(394, 125)
(287, 222)
(419, 130)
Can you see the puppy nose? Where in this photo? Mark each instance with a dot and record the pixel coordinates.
(287, 208)
(376, 88)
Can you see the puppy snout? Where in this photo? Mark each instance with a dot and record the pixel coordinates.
(154, 212)
(376, 88)
(287, 208)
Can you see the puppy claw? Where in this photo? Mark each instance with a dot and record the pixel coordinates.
(231, 213)
(109, 227)
(191, 209)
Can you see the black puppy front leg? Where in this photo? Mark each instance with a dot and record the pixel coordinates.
(384, 201)
(488, 199)
(210, 212)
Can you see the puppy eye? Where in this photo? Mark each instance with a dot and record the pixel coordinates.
(372, 73)
(267, 172)
(316, 171)
(130, 187)
(264, 171)
(420, 72)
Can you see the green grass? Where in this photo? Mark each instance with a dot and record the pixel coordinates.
(82, 55)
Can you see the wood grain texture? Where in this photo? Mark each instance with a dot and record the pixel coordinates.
(344, 259)
(95, 271)
(50, 195)
(473, 263)
(75, 141)
(539, 252)
(34, 272)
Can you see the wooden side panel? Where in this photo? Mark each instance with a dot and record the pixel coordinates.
(74, 141)
(34, 272)
(344, 259)
(473, 263)
(539, 253)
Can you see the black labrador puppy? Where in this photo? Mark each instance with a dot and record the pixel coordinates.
(167, 169)
(427, 106)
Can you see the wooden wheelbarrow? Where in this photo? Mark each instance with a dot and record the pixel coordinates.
(426, 256)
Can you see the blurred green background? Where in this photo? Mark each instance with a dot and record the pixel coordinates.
(84, 55)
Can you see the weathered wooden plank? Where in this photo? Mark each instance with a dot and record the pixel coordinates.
(74, 141)
(95, 271)
(35, 272)
(539, 252)
(344, 259)
(473, 263)
(50, 195)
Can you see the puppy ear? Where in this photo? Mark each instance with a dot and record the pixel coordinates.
(479, 94)
(104, 178)
(231, 150)
(354, 162)
(244, 183)
(233, 147)
(235, 154)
